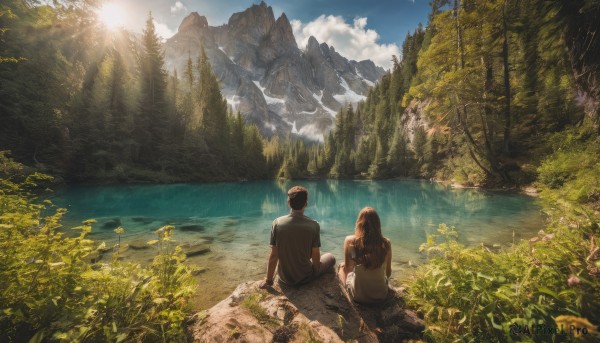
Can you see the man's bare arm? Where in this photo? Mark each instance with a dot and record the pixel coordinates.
(273, 259)
(316, 258)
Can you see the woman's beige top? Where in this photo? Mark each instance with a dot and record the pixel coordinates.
(367, 285)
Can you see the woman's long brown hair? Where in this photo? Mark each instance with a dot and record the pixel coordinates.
(371, 247)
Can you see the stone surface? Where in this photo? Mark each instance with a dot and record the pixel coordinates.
(319, 311)
(191, 227)
(111, 224)
(139, 244)
(195, 249)
(274, 83)
(414, 117)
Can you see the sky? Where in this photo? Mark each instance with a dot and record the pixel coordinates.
(358, 29)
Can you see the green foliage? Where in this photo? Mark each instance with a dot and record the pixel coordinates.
(474, 294)
(570, 174)
(8, 14)
(252, 304)
(551, 279)
(368, 140)
(50, 291)
(494, 74)
(92, 105)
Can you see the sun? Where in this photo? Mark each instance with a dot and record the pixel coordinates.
(111, 15)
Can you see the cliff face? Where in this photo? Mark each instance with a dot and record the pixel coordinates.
(267, 77)
(319, 311)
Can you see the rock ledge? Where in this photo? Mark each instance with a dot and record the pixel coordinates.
(319, 311)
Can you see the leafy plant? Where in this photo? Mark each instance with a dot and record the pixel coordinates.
(341, 321)
(472, 293)
(252, 304)
(552, 279)
(49, 291)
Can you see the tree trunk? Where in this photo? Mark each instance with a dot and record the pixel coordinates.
(507, 111)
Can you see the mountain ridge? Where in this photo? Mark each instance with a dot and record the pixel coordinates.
(267, 77)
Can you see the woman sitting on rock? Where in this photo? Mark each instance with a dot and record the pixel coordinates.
(367, 260)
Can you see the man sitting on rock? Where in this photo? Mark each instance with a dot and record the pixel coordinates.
(295, 243)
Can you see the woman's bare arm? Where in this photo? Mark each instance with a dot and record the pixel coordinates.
(348, 261)
(388, 260)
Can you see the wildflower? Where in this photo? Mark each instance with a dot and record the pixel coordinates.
(119, 230)
(573, 281)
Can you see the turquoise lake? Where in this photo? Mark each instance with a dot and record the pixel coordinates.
(235, 219)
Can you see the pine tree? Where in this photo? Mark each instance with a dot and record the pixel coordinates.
(398, 155)
(377, 169)
(254, 163)
(213, 108)
(419, 146)
(236, 146)
(151, 121)
(362, 159)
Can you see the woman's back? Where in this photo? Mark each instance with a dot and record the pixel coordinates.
(367, 285)
(367, 259)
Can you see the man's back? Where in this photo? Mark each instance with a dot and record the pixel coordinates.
(295, 235)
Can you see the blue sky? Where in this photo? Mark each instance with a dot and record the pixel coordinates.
(358, 29)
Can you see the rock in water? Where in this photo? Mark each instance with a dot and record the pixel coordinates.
(319, 311)
(139, 245)
(192, 227)
(112, 224)
(195, 249)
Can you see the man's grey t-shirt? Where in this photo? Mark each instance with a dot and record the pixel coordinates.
(295, 235)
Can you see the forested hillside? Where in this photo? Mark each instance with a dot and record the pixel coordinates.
(91, 104)
(512, 89)
(474, 98)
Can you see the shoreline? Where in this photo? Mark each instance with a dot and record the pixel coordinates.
(525, 189)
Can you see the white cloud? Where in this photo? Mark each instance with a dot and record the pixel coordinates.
(163, 31)
(178, 7)
(351, 41)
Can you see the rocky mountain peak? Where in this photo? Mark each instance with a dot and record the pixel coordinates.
(312, 43)
(253, 23)
(281, 33)
(192, 21)
(266, 77)
(324, 48)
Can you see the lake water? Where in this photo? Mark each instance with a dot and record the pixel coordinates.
(235, 219)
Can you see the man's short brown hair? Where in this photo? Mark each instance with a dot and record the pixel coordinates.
(298, 197)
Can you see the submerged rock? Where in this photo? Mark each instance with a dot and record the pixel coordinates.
(226, 236)
(111, 223)
(319, 311)
(139, 245)
(143, 220)
(195, 249)
(207, 239)
(191, 227)
(230, 222)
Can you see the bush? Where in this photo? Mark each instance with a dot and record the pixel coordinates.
(50, 292)
(550, 281)
(570, 177)
(472, 294)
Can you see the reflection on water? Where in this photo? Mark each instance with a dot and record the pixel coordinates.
(235, 219)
